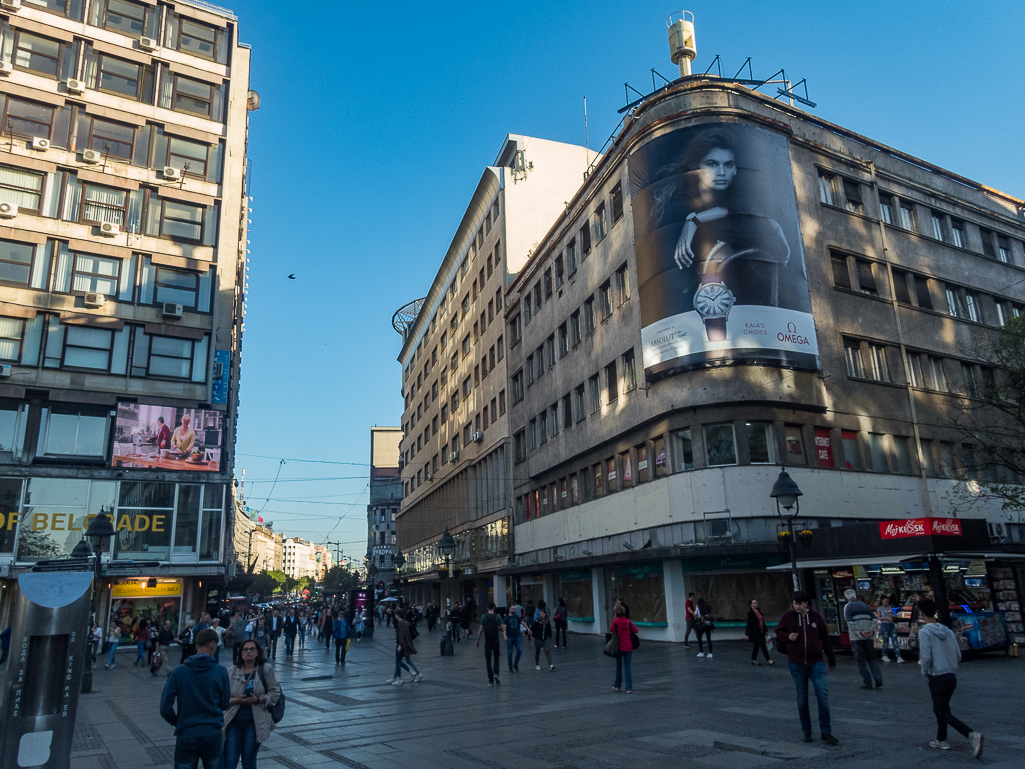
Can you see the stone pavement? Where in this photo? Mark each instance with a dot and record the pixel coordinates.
(684, 712)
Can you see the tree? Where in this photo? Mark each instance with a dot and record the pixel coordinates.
(339, 579)
(993, 418)
(263, 584)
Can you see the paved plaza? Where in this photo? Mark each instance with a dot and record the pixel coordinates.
(684, 712)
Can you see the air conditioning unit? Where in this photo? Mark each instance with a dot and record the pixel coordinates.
(40, 144)
(147, 43)
(429, 476)
(91, 156)
(172, 310)
(10, 5)
(8, 210)
(453, 456)
(94, 299)
(5, 370)
(75, 86)
(478, 437)
(110, 229)
(997, 531)
(170, 172)
(5, 68)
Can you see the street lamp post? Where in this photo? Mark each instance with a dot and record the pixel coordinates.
(100, 530)
(786, 493)
(398, 561)
(447, 546)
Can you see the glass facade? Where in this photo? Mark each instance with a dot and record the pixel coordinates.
(642, 588)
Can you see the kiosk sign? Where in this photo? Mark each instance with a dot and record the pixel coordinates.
(920, 527)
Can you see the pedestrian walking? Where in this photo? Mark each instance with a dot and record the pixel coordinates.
(887, 628)
(561, 621)
(202, 692)
(95, 641)
(861, 626)
(688, 607)
(340, 630)
(404, 649)
(490, 628)
(938, 654)
(290, 628)
(186, 641)
(624, 629)
(261, 635)
(755, 633)
(801, 633)
(247, 722)
(141, 637)
(161, 647)
(360, 625)
(113, 639)
(274, 626)
(541, 630)
(705, 624)
(215, 625)
(512, 632)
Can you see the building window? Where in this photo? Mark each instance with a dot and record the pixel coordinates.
(37, 54)
(886, 208)
(851, 452)
(612, 382)
(616, 200)
(467, 388)
(937, 225)
(900, 286)
(12, 331)
(571, 256)
(907, 217)
(922, 295)
(183, 152)
(467, 345)
(916, 376)
(542, 427)
(578, 397)
(683, 452)
(563, 340)
(537, 296)
(27, 119)
(560, 271)
(500, 347)
(87, 348)
(958, 234)
(601, 223)
(574, 328)
(519, 446)
(517, 386)
(877, 453)
(852, 354)
(866, 277)
(972, 306)
(15, 261)
(103, 204)
(585, 242)
(528, 312)
(594, 385)
(181, 221)
(72, 432)
(94, 273)
(540, 358)
(841, 273)
(567, 412)
(193, 96)
(629, 371)
(170, 357)
(970, 379)
(761, 444)
(532, 434)
(124, 78)
(529, 369)
(605, 300)
(589, 315)
(852, 197)
(720, 444)
(114, 139)
(22, 188)
(501, 402)
(1004, 249)
(547, 279)
(937, 376)
(794, 439)
(827, 191)
(988, 249)
(902, 453)
(880, 369)
(550, 349)
(622, 285)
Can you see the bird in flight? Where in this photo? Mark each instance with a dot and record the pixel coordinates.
(291, 276)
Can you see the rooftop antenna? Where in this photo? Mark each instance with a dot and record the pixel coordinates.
(682, 46)
(587, 146)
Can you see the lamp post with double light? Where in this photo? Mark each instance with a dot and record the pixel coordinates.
(787, 493)
(98, 534)
(447, 546)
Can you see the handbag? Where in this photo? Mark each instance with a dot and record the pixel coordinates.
(612, 647)
(635, 640)
(277, 710)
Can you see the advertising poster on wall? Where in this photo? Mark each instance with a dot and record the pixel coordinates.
(720, 264)
(167, 438)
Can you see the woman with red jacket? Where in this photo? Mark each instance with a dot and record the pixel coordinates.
(623, 627)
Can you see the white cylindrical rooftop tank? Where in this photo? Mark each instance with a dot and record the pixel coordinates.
(682, 45)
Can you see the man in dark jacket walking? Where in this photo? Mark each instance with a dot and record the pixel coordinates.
(203, 692)
(290, 627)
(802, 633)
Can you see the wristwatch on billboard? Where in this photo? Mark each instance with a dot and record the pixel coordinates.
(713, 300)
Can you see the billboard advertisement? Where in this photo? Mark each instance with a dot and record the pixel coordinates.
(167, 438)
(720, 265)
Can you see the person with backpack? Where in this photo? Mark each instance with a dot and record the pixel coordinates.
(705, 625)
(801, 634)
(490, 627)
(248, 722)
(202, 692)
(561, 620)
(541, 630)
(340, 632)
(938, 654)
(861, 625)
(512, 628)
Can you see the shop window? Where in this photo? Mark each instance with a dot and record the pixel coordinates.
(598, 480)
(53, 508)
(643, 466)
(851, 451)
(627, 468)
(794, 439)
(824, 447)
(877, 452)
(73, 432)
(720, 444)
(612, 475)
(186, 526)
(574, 489)
(155, 502)
(683, 451)
(661, 460)
(642, 588)
(761, 444)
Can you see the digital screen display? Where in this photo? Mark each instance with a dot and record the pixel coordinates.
(167, 438)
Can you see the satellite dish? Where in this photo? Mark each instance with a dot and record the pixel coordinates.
(253, 101)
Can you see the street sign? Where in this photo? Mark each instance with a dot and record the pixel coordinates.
(121, 572)
(68, 564)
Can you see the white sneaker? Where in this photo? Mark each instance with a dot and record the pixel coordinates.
(537, 667)
(976, 740)
(709, 655)
(389, 680)
(551, 668)
(886, 659)
(418, 678)
(397, 682)
(939, 744)
(701, 654)
(900, 659)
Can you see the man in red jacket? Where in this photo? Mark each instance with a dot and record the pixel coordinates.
(802, 633)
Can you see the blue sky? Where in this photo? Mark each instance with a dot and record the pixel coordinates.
(404, 105)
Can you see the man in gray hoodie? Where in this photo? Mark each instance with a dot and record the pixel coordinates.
(938, 654)
(861, 624)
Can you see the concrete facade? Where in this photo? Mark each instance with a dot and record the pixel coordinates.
(615, 492)
(385, 497)
(123, 235)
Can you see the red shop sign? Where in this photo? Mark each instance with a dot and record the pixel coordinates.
(920, 527)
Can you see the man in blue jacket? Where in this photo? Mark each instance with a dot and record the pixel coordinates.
(203, 693)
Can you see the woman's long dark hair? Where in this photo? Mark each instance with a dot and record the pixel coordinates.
(696, 151)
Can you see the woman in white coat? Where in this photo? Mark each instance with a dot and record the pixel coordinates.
(247, 722)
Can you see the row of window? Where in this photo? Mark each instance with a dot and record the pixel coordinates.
(870, 360)
(602, 388)
(138, 19)
(450, 451)
(914, 289)
(899, 211)
(125, 351)
(53, 267)
(728, 443)
(62, 195)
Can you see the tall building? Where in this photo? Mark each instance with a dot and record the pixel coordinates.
(455, 445)
(301, 558)
(740, 286)
(123, 221)
(385, 498)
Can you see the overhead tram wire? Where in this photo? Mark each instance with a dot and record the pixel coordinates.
(310, 461)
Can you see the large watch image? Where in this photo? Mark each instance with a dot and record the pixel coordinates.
(713, 300)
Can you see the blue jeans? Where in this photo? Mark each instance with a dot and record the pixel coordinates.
(240, 741)
(865, 655)
(888, 632)
(517, 644)
(110, 657)
(623, 666)
(289, 645)
(141, 646)
(302, 638)
(399, 664)
(816, 673)
(189, 750)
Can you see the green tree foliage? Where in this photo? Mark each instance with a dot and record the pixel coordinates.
(339, 579)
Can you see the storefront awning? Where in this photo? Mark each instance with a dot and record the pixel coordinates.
(976, 556)
(829, 563)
